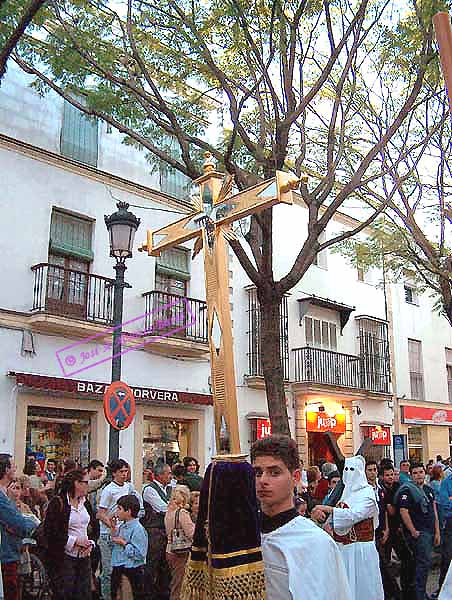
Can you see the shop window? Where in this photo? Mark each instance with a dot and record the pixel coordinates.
(79, 135)
(58, 434)
(415, 446)
(449, 373)
(164, 440)
(320, 334)
(416, 370)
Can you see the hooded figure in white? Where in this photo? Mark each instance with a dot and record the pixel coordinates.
(360, 558)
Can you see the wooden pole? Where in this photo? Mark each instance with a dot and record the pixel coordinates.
(443, 30)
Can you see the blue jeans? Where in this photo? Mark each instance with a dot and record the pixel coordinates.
(423, 548)
(446, 550)
(105, 546)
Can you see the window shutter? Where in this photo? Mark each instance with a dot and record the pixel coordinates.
(308, 326)
(71, 236)
(174, 262)
(79, 136)
(317, 335)
(414, 355)
(333, 336)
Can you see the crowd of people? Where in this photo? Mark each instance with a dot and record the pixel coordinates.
(97, 536)
(100, 538)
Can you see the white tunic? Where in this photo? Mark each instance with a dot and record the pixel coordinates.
(360, 558)
(302, 562)
(446, 589)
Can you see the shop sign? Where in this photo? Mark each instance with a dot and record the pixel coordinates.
(119, 405)
(323, 422)
(380, 436)
(419, 415)
(264, 428)
(93, 388)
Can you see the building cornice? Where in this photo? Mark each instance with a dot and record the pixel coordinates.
(67, 164)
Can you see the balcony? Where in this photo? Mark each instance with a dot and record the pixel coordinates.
(325, 367)
(175, 325)
(67, 301)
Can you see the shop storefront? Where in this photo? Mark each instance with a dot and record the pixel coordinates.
(427, 429)
(260, 427)
(60, 418)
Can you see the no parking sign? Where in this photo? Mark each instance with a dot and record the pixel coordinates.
(119, 405)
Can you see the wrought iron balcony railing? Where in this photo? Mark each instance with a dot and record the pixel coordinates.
(175, 316)
(315, 365)
(71, 293)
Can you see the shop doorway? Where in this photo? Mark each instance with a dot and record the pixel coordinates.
(54, 433)
(319, 449)
(164, 440)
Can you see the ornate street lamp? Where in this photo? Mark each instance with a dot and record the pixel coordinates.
(121, 226)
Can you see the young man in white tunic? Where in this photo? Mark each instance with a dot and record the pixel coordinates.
(295, 550)
(353, 522)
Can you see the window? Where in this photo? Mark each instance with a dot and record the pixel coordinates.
(79, 136)
(374, 355)
(449, 374)
(416, 369)
(320, 259)
(410, 295)
(70, 254)
(415, 446)
(320, 334)
(71, 236)
(173, 182)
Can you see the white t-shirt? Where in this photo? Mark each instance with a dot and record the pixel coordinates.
(109, 500)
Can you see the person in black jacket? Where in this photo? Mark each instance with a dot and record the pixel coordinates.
(71, 530)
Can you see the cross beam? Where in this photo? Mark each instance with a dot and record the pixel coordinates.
(217, 208)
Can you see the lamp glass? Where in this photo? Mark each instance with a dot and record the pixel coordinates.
(122, 236)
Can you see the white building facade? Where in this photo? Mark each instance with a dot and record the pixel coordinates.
(61, 175)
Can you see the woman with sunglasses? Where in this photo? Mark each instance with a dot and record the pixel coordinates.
(71, 530)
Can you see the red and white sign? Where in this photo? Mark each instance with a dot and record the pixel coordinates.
(119, 405)
(322, 422)
(418, 415)
(263, 429)
(380, 436)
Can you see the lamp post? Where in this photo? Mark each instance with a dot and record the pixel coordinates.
(121, 226)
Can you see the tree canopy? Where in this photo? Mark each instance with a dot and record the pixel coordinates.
(326, 88)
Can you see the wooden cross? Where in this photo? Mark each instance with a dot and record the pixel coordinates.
(216, 209)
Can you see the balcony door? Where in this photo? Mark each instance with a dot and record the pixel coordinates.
(167, 307)
(67, 286)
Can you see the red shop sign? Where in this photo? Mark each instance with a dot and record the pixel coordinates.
(418, 415)
(380, 436)
(323, 422)
(264, 428)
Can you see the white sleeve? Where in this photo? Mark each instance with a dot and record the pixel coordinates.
(277, 576)
(105, 499)
(152, 496)
(345, 518)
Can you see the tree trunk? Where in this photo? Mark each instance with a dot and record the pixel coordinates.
(272, 369)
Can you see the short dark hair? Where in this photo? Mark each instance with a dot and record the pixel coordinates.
(5, 464)
(370, 462)
(439, 458)
(30, 467)
(94, 464)
(404, 460)
(69, 465)
(178, 471)
(130, 502)
(51, 460)
(386, 467)
(279, 446)
(333, 475)
(117, 464)
(416, 465)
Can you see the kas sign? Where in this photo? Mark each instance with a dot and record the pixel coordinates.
(379, 435)
(321, 422)
(264, 428)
